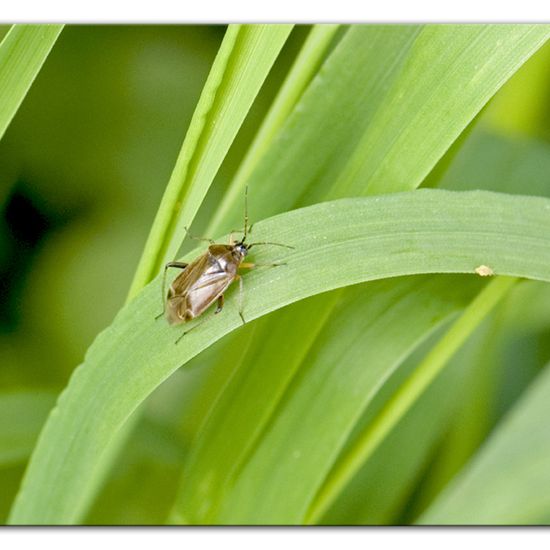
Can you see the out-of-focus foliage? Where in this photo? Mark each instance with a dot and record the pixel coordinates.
(366, 110)
(503, 483)
(87, 158)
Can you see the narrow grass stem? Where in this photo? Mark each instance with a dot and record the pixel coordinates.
(302, 71)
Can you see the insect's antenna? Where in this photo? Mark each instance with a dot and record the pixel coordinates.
(245, 213)
(272, 244)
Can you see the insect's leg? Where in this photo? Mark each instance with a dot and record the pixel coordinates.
(179, 265)
(218, 309)
(249, 265)
(263, 243)
(189, 330)
(211, 241)
(240, 279)
(219, 306)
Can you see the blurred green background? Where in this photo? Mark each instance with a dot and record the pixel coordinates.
(82, 169)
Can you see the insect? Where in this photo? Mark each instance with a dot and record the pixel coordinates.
(205, 280)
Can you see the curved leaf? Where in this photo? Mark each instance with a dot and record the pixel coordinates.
(392, 83)
(382, 110)
(273, 418)
(337, 244)
(383, 487)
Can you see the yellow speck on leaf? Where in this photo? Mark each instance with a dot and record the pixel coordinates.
(484, 271)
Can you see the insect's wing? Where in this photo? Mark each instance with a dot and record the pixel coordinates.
(188, 277)
(176, 309)
(206, 290)
(196, 289)
(176, 301)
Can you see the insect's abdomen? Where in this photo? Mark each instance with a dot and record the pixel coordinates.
(201, 284)
(177, 311)
(201, 298)
(184, 307)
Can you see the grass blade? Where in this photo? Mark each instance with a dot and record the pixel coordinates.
(22, 54)
(484, 161)
(376, 93)
(241, 66)
(400, 234)
(507, 480)
(299, 76)
(405, 397)
(352, 356)
(384, 107)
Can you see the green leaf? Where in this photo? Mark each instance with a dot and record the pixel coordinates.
(372, 100)
(404, 399)
(279, 444)
(300, 75)
(365, 239)
(22, 54)
(507, 480)
(378, 81)
(472, 398)
(381, 491)
(22, 415)
(382, 110)
(241, 66)
(489, 161)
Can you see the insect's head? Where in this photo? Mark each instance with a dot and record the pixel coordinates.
(241, 249)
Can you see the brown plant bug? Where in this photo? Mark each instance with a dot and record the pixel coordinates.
(205, 280)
